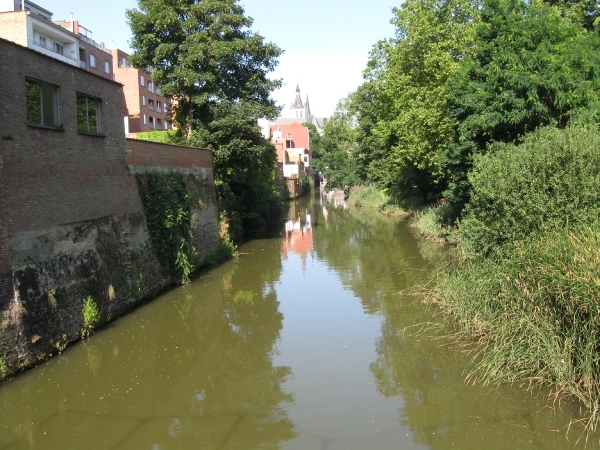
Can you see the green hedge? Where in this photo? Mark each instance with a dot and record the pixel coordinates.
(552, 179)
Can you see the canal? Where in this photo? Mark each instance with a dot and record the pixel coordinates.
(307, 341)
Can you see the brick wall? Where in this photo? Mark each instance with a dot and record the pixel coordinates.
(13, 27)
(6, 286)
(59, 177)
(153, 154)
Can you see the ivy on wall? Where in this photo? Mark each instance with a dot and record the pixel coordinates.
(166, 198)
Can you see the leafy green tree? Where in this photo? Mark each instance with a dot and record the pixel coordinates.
(529, 67)
(204, 56)
(410, 74)
(202, 53)
(338, 162)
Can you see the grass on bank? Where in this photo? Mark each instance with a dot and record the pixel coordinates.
(371, 197)
(528, 285)
(535, 312)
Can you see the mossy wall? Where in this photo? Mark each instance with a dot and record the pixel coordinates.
(110, 259)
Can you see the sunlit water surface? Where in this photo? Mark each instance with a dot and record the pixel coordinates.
(304, 342)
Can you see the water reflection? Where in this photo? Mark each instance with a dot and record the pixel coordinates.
(191, 370)
(304, 342)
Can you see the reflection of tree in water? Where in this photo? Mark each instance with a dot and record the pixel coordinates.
(440, 408)
(238, 392)
(193, 370)
(374, 255)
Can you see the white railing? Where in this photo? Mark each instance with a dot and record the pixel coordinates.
(84, 38)
(53, 50)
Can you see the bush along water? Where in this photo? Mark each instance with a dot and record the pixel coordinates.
(528, 285)
(372, 197)
(91, 316)
(166, 198)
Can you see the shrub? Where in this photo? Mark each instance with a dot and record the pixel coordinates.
(91, 315)
(3, 367)
(429, 222)
(368, 196)
(550, 180)
(256, 206)
(166, 137)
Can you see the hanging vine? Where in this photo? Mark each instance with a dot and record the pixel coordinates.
(166, 198)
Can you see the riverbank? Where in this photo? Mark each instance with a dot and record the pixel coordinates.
(522, 281)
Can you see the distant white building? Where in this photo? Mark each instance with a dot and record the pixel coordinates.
(299, 111)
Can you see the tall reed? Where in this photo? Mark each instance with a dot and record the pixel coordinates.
(535, 309)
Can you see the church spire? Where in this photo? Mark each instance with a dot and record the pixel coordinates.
(297, 101)
(307, 106)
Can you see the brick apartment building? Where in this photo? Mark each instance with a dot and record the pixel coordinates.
(62, 155)
(94, 57)
(145, 108)
(71, 43)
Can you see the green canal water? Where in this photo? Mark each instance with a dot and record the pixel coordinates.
(304, 342)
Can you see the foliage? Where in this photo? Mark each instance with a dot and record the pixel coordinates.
(410, 74)
(3, 367)
(549, 181)
(166, 197)
(368, 196)
(535, 311)
(231, 130)
(529, 67)
(249, 207)
(165, 137)
(338, 162)
(430, 223)
(203, 53)
(91, 315)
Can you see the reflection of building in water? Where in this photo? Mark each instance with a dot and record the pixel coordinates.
(298, 234)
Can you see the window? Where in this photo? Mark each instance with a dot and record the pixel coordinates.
(151, 121)
(42, 103)
(166, 125)
(92, 61)
(151, 104)
(150, 87)
(142, 80)
(123, 61)
(143, 100)
(144, 119)
(106, 67)
(42, 41)
(88, 114)
(158, 105)
(58, 48)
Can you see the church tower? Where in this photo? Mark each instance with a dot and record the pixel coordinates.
(297, 109)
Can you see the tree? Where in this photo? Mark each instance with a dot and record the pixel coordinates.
(339, 152)
(410, 74)
(529, 67)
(202, 53)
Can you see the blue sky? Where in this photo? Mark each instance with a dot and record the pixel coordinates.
(326, 42)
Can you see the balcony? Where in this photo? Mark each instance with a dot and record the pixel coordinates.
(52, 49)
